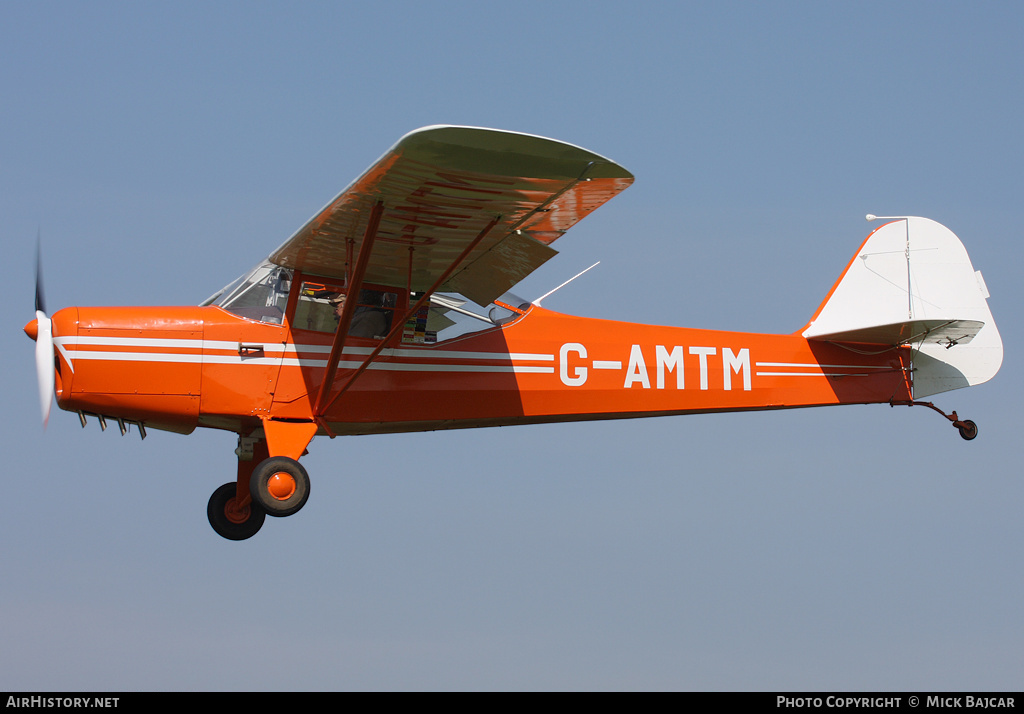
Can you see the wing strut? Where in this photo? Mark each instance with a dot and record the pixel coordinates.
(398, 325)
(347, 312)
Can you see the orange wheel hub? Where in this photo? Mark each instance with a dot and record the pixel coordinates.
(281, 485)
(235, 514)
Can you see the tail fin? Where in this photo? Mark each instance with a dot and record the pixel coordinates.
(912, 283)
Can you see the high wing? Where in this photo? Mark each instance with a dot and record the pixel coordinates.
(439, 187)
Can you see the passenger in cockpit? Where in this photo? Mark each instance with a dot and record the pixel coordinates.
(367, 322)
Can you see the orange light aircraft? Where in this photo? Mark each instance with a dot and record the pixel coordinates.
(389, 311)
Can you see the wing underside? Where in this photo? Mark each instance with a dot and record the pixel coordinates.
(439, 187)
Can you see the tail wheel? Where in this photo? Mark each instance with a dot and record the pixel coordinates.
(280, 486)
(968, 429)
(229, 519)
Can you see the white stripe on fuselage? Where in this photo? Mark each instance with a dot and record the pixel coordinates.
(206, 349)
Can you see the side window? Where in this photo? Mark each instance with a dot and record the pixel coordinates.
(450, 316)
(314, 310)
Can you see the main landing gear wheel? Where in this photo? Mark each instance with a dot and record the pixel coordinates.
(968, 429)
(228, 519)
(280, 486)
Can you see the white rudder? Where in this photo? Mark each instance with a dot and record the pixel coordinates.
(912, 283)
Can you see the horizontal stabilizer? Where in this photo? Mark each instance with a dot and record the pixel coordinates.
(912, 283)
(940, 332)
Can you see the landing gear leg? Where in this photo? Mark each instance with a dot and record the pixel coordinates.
(967, 428)
(231, 510)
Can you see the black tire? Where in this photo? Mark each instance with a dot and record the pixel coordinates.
(232, 523)
(968, 429)
(288, 473)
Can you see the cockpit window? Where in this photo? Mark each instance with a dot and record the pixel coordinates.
(320, 307)
(261, 295)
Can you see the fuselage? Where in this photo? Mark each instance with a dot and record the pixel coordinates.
(176, 368)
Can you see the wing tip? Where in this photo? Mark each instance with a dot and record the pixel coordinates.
(504, 140)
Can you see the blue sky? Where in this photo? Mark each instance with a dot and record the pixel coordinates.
(163, 148)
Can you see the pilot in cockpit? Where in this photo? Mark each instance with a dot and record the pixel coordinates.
(367, 321)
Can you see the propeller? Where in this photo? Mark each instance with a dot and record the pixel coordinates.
(41, 330)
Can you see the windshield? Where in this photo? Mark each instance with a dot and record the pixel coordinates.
(261, 294)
